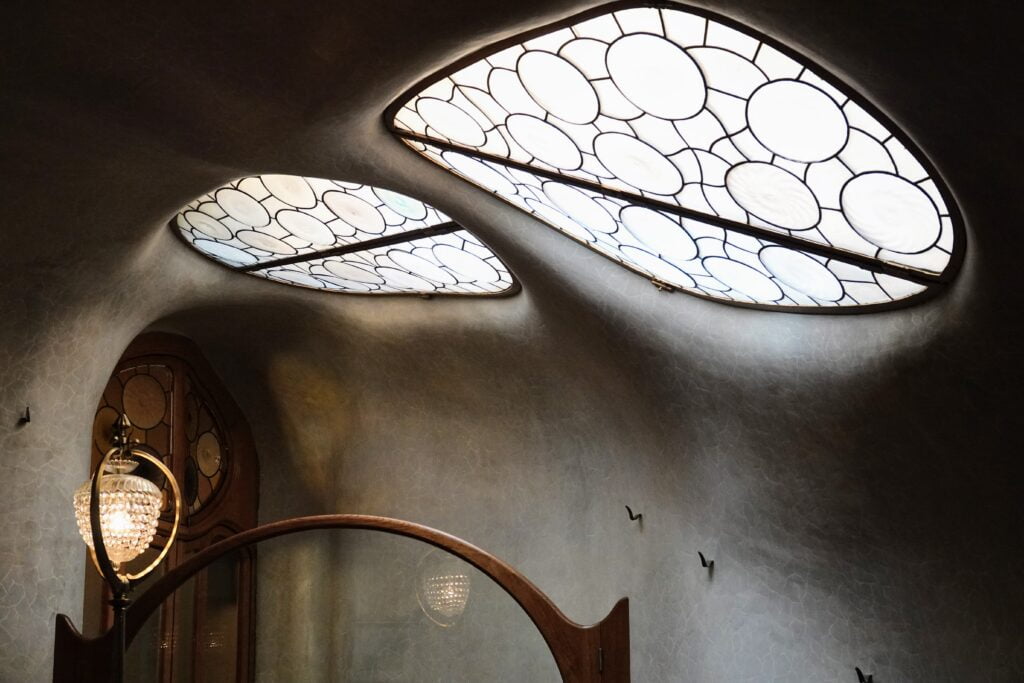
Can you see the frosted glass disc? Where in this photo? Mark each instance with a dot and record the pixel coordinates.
(471, 268)
(580, 207)
(637, 163)
(305, 227)
(451, 122)
(727, 71)
(242, 207)
(891, 212)
(659, 233)
(480, 173)
(225, 252)
(349, 271)
(261, 240)
(797, 121)
(420, 266)
(558, 86)
(355, 211)
(403, 280)
(773, 195)
(290, 189)
(296, 278)
(802, 273)
(657, 76)
(402, 205)
(339, 283)
(560, 220)
(658, 268)
(544, 141)
(208, 225)
(744, 279)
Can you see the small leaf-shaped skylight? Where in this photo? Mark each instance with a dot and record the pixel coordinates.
(340, 237)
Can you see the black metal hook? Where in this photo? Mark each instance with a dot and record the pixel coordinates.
(26, 418)
(639, 516)
(704, 562)
(861, 678)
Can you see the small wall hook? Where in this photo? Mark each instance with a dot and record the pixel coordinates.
(861, 678)
(27, 417)
(638, 517)
(704, 562)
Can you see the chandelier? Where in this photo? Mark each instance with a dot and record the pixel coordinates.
(129, 505)
(117, 514)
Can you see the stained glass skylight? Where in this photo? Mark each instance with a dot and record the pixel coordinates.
(340, 237)
(697, 152)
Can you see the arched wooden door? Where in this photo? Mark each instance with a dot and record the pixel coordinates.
(179, 407)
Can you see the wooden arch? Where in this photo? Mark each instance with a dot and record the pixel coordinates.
(583, 654)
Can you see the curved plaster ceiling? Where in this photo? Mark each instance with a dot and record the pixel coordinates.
(340, 237)
(699, 153)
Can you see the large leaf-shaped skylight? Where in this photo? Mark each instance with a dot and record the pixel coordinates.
(697, 152)
(341, 237)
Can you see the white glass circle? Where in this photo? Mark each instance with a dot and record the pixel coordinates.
(296, 278)
(637, 163)
(802, 273)
(659, 233)
(891, 212)
(580, 207)
(401, 204)
(242, 207)
(354, 272)
(560, 220)
(657, 267)
(417, 265)
(773, 195)
(451, 122)
(657, 76)
(481, 173)
(797, 121)
(544, 141)
(558, 86)
(338, 283)
(356, 212)
(290, 189)
(743, 279)
(399, 279)
(261, 240)
(470, 267)
(225, 252)
(208, 225)
(305, 227)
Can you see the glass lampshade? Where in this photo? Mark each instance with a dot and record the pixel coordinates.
(129, 511)
(443, 587)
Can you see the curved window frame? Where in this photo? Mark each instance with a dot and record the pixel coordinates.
(934, 284)
(395, 239)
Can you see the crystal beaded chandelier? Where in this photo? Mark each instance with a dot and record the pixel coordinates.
(126, 509)
(129, 504)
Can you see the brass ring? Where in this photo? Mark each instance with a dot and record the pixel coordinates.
(99, 551)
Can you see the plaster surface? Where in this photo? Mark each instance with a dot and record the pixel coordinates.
(857, 479)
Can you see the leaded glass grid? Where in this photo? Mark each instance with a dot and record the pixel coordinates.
(340, 237)
(697, 152)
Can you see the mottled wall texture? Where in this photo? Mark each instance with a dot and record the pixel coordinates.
(857, 479)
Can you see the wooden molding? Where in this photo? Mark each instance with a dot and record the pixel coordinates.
(583, 654)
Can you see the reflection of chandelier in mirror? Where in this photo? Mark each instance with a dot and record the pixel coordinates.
(442, 588)
(129, 505)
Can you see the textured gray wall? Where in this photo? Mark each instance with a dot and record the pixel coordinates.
(856, 479)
